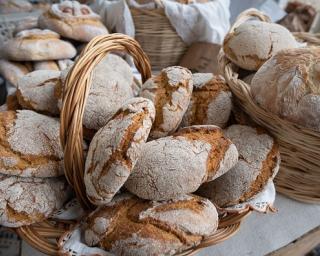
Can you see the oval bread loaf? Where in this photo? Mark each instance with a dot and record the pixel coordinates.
(131, 226)
(173, 166)
(12, 71)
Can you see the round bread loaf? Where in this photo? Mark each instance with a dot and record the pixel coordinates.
(36, 45)
(288, 86)
(12, 71)
(13, 6)
(24, 201)
(254, 42)
(45, 65)
(259, 161)
(111, 87)
(73, 20)
(115, 149)
(173, 166)
(36, 91)
(170, 92)
(30, 144)
(131, 226)
(211, 101)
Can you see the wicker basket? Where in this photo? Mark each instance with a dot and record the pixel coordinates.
(77, 87)
(157, 37)
(299, 175)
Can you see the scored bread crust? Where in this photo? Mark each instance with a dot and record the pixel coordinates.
(288, 86)
(259, 161)
(254, 42)
(170, 92)
(30, 144)
(172, 166)
(115, 149)
(12, 71)
(37, 45)
(36, 91)
(211, 101)
(73, 20)
(132, 226)
(24, 201)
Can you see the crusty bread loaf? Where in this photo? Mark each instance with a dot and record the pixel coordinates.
(30, 144)
(45, 65)
(259, 160)
(115, 149)
(111, 87)
(130, 226)
(254, 42)
(24, 201)
(12, 71)
(211, 101)
(288, 86)
(14, 6)
(170, 92)
(73, 20)
(36, 45)
(179, 164)
(36, 91)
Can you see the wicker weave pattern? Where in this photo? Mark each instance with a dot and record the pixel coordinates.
(299, 175)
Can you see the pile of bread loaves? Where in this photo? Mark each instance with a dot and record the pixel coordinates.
(283, 74)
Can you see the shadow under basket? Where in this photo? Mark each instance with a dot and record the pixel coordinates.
(299, 175)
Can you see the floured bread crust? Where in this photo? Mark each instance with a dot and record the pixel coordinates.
(37, 45)
(36, 91)
(170, 92)
(211, 101)
(12, 71)
(110, 89)
(132, 226)
(30, 144)
(173, 166)
(254, 42)
(288, 85)
(45, 65)
(115, 149)
(24, 201)
(259, 161)
(73, 20)
(14, 6)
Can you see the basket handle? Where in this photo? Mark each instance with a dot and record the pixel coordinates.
(76, 91)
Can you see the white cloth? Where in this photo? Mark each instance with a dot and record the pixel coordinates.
(195, 22)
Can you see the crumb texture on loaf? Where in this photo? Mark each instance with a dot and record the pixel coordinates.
(132, 226)
(115, 148)
(288, 85)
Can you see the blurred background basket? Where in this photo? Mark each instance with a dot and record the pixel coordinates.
(299, 175)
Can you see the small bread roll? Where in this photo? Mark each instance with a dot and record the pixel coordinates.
(36, 91)
(30, 144)
(12, 71)
(173, 166)
(115, 149)
(24, 201)
(14, 6)
(132, 226)
(170, 92)
(254, 42)
(211, 101)
(36, 45)
(73, 20)
(288, 86)
(259, 160)
(45, 65)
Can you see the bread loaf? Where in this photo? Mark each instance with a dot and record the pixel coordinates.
(211, 101)
(13, 6)
(259, 160)
(131, 226)
(30, 144)
(45, 65)
(288, 86)
(115, 148)
(73, 20)
(254, 42)
(24, 201)
(176, 165)
(170, 92)
(36, 45)
(12, 71)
